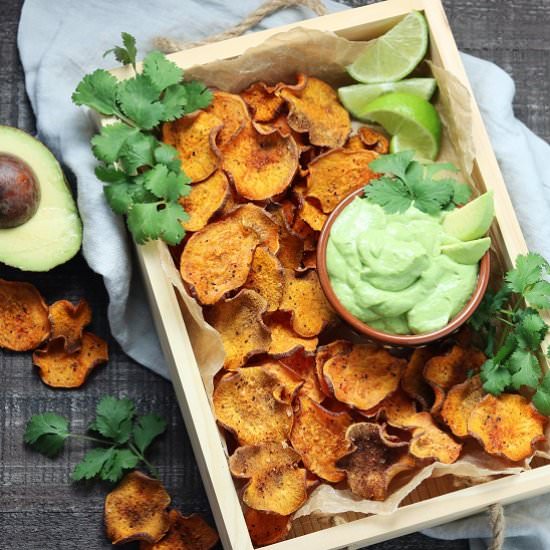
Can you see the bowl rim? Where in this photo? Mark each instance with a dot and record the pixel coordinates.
(402, 340)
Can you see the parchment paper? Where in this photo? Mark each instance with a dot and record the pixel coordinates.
(325, 55)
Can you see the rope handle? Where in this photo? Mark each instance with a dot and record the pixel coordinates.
(170, 45)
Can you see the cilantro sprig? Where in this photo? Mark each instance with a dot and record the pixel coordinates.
(143, 177)
(121, 439)
(406, 182)
(515, 331)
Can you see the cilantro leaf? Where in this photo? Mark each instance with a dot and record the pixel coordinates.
(108, 174)
(137, 152)
(198, 96)
(114, 419)
(525, 368)
(143, 222)
(165, 184)
(169, 156)
(146, 429)
(161, 72)
(47, 433)
(98, 91)
(541, 399)
(539, 295)
(127, 53)
(108, 144)
(122, 196)
(170, 221)
(174, 101)
(92, 463)
(139, 101)
(528, 271)
(531, 329)
(461, 192)
(119, 461)
(396, 163)
(429, 195)
(495, 377)
(391, 194)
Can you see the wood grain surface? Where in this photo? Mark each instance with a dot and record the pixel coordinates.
(39, 507)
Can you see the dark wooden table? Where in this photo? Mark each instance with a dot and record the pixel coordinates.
(39, 507)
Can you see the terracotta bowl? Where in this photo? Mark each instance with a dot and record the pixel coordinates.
(400, 340)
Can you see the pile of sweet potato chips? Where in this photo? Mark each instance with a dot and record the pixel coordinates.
(137, 510)
(298, 405)
(68, 354)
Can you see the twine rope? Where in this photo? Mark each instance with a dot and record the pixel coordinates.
(170, 45)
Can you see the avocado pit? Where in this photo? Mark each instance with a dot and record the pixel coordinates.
(19, 191)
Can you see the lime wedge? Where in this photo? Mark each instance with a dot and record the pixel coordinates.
(395, 54)
(357, 96)
(411, 120)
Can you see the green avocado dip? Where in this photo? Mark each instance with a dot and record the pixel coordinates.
(391, 271)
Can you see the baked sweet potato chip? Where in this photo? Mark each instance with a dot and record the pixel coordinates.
(256, 218)
(245, 404)
(398, 410)
(317, 111)
(265, 527)
(459, 404)
(239, 322)
(284, 341)
(266, 277)
(337, 173)
(445, 371)
(276, 483)
(232, 112)
(305, 300)
(413, 382)
(324, 353)
(372, 463)
(373, 140)
(262, 101)
(364, 376)
(68, 322)
(136, 510)
(185, 533)
(205, 199)
(24, 323)
(431, 442)
(217, 259)
(303, 364)
(507, 425)
(60, 369)
(260, 166)
(313, 216)
(319, 435)
(289, 381)
(194, 137)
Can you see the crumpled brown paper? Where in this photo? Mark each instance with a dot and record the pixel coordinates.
(325, 55)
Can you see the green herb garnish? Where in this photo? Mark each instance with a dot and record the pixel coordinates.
(514, 331)
(124, 439)
(143, 177)
(407, 182)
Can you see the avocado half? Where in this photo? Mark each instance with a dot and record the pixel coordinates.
(53, 235)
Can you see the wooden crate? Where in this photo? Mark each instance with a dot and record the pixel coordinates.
(435, 501)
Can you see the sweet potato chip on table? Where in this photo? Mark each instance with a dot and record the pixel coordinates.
(240, 325)
(262, 101)
(319, 436)
(284, 341)
(266, 277)
(232, 112)
(252, 393)
(372, 463)
(459, 404)
(260, 165)
(302, 363)
(204, 200)
(24, 322)
(68, 322)
(317, 111)
(193, 136)
(266, 527)
(184, 533)
(60, 369)
(507, 425)
(413, 382)
(217, 259)
(276, 483)
(136, 510)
